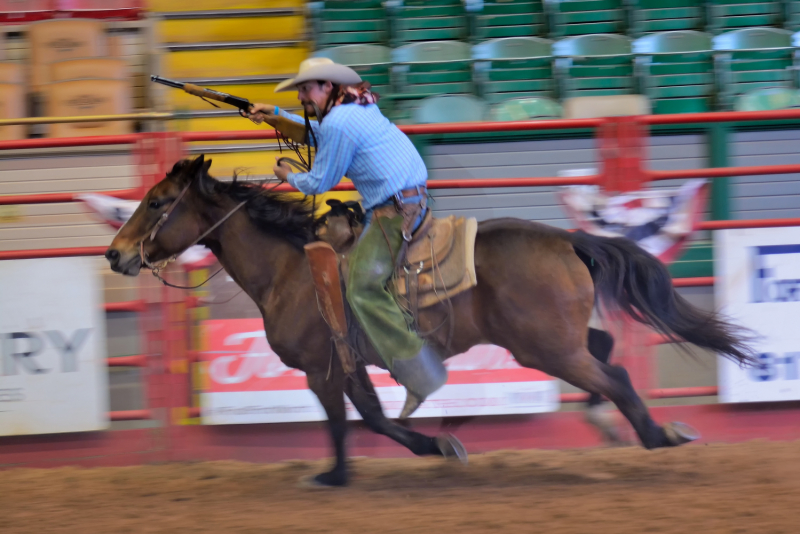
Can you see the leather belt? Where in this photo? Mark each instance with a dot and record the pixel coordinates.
(413, 191)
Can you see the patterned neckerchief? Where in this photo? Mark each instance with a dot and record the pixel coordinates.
(360, 94)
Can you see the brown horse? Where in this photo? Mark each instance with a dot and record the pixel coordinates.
(535, 293)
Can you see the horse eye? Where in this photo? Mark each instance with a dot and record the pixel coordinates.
(154, 204)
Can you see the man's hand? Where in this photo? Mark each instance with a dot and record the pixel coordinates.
(259, 113)
(281, 170)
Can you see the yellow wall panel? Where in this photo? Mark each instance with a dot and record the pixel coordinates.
(218, 124)
(231, 29)
(245, 62)
(261, 92)
(253, 163)
(209, 5)
(260, 164)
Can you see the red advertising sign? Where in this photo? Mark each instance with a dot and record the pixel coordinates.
(247, 382)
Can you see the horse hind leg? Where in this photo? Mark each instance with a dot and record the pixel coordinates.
(600, 346)
(582, 370)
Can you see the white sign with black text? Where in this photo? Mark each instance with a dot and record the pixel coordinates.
(53, 375)
(758, 286)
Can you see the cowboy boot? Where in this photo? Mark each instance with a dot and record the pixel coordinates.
(421, 375)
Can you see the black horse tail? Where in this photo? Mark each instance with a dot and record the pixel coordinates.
(638, 283)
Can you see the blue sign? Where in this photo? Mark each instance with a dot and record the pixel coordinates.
(771, 283)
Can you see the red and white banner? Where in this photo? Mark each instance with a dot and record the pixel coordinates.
(658, 220)
(247, 383)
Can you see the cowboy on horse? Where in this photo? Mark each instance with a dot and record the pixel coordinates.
(353, 138)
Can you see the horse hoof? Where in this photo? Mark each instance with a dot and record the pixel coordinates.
(680, 433)
(322, 481)
(451, 447)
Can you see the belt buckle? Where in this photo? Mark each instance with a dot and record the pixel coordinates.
(398, 201)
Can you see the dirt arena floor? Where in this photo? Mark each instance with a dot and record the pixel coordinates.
(746, 488)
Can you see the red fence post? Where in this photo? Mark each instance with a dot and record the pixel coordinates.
(622, 146)
(155, 154)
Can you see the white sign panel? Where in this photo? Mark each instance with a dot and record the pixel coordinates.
(53, 374)
(758, 286)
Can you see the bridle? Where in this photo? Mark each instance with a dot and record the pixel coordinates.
(156, 268)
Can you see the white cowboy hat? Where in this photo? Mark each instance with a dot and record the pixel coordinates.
(320, 68)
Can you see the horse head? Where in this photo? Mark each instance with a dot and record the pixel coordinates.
(165, 223)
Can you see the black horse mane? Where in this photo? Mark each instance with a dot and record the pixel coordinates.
(276, 213)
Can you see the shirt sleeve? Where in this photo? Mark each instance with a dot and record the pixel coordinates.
(331, 164)
(297, 118)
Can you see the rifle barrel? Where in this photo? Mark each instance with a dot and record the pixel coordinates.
(165, 81)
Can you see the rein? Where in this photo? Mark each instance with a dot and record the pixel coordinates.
(156, 268)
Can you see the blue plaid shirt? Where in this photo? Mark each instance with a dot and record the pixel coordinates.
(358, 141)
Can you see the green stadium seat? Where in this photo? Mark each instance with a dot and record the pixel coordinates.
(768, 99)
(524, 109)
(649, 16)
(593, 107)
(450, 108)
(494, 19)
(792, 15)
(372, 62)
(426, 20)
(583, 17)
(753, 58)
(336, 23)
(676, 71)
(514, 67)
(427, 69)
(594, 65)
(726, 15)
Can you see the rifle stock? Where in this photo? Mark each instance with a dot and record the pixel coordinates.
(293, 130)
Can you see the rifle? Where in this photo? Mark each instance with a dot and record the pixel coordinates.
(293, 130)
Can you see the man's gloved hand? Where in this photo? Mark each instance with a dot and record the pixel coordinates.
(281, 170)
(296, 131)
(260, 113)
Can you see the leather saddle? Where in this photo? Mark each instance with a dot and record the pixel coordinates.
(439, 262)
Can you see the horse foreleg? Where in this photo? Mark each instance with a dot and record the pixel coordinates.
(582, 370)
(362, 394)
(329, 391)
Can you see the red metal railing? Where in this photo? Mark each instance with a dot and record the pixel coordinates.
(36, 10)
(463, 128)
(427, 129)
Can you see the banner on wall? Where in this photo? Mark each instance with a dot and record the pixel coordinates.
(53, 373)
(758, 286)
(247, 383)
(658, 220)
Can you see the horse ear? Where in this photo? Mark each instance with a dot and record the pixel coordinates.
(200, 166)
(176, 169)
(204, 181)
(196, 164)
